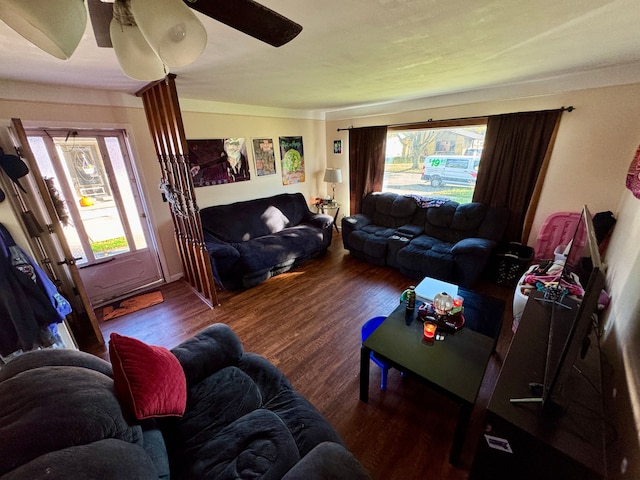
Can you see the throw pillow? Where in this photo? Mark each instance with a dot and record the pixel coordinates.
(149, 380)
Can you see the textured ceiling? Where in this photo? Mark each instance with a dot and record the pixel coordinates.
(362, 52)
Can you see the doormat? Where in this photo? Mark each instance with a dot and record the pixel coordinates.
(130, 305)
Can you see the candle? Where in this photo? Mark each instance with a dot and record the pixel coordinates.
(457, 305)
(429, 330)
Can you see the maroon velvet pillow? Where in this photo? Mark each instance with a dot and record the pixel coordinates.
(149, 380)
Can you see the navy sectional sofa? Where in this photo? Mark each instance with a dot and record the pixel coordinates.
(425, 237)
(60, 418)
(251, 241)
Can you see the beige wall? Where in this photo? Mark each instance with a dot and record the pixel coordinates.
(211, 125)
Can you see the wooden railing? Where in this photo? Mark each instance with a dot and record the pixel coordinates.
(162, 109)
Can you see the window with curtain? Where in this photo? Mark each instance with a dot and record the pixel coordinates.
(434, 159)
(512, 160)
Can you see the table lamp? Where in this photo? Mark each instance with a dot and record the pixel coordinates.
(333, 176)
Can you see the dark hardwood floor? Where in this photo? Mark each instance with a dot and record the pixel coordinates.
(307, 322)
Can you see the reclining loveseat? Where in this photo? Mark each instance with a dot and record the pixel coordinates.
(425, 237)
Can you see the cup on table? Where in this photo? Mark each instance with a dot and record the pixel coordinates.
(429, 330)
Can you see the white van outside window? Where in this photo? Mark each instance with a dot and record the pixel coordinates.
(450, 170)
(434, 159)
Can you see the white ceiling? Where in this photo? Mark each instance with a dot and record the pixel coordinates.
(362, 52)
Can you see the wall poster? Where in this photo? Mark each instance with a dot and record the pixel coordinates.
(218, 161)
(292, 160)
(264, 156)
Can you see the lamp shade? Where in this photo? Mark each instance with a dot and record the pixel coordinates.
(171, 29)
(333, 175)
(55, 26)
(137, 59)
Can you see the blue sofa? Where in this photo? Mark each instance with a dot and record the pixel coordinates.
(60, 418)
(251, 241)
(425, 237)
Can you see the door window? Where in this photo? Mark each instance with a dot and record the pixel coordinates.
(92, 182)
(99, 211)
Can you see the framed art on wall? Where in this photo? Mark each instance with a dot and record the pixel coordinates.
(292, 160)
(264, 156)
(218, 161)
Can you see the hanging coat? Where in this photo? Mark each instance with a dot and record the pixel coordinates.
(29, 301)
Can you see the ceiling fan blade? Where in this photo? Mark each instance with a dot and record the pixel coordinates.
(101, 14)
(251, 18)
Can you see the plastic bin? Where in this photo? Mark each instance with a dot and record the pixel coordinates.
(510, 261)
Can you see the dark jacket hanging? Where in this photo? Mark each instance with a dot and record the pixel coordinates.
(26, 308)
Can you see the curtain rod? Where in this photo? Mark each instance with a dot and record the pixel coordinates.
(570, 108)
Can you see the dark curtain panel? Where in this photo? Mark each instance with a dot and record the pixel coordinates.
(516, 149)
(366, 163)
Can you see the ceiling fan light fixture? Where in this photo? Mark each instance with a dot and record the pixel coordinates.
(171, 29)
(55, 26)
(136, 58)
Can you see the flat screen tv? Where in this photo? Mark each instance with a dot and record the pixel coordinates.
(566, 339)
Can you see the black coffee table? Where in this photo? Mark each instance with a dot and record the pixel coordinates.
(454, 366)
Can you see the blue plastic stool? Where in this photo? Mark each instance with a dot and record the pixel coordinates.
(367, 329)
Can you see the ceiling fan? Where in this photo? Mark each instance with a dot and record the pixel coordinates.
(148, 36)
(246, 16)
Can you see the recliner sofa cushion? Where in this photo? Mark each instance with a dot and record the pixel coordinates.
(228, 430)
(242, 221)
(103, 459)
(213, 403)
(256, 445)
(214, 348)
(389, 210)
(305, 423)
(67, 406)
(263, 253)
(452, 222)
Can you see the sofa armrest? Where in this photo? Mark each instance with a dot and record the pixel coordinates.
(328, 460)
(319, 220)
(352, 223)
(480, 247)
(214, 348)
(219, 249)
(357, 221)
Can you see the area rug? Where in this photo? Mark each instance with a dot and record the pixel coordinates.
(130, 305)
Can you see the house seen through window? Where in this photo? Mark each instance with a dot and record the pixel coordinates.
(439, 162)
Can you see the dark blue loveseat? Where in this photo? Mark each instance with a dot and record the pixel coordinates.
(251, 241)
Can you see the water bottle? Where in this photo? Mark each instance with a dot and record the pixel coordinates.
(409, 295)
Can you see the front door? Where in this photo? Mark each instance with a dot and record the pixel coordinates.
(92, 181)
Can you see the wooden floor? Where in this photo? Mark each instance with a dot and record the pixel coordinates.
(307, 322)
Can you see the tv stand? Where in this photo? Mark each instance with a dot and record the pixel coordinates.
(524, 441)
